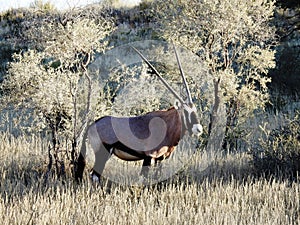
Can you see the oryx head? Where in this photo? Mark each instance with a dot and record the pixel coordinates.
(185, 107)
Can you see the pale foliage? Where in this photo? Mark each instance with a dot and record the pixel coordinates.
(64, 41)
(236, 41)
(138, 92)
(43, 6)
(53, 79)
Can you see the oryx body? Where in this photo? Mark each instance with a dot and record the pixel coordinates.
(153, 136)
(168, 126)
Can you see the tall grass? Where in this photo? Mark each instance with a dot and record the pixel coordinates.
(225, 192)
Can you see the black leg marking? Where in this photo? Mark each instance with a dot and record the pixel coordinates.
(146, 167)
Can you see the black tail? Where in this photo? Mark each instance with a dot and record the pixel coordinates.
(80, 164)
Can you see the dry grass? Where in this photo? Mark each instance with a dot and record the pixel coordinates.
(226, 192)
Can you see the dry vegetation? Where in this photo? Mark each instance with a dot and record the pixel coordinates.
(255, 182)
(226, 192)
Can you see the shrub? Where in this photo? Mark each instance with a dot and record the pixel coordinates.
(278, 151)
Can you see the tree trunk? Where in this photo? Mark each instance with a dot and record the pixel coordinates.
(78, 139)
(216, 130)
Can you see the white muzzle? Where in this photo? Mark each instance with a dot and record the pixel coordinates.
(197, 129)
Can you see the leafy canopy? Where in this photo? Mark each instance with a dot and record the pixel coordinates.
(52, 78)
(235, 39)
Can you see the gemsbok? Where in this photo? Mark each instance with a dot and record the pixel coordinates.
(150, 137)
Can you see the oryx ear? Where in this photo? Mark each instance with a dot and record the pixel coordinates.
(177, 104)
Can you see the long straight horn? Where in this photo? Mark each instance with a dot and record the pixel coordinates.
(159, 76)
(183, 77)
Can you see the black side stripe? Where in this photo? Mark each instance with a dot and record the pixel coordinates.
(118, 145)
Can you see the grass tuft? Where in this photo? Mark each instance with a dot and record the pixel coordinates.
(225, 192)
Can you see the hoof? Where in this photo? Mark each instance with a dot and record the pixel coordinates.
(94, 177)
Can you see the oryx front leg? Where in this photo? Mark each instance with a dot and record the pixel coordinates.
(146, 166)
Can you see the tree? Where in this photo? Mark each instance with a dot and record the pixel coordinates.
(42, 6)
(236, 41)
(52, 78)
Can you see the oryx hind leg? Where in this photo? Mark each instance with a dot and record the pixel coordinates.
(101, 157)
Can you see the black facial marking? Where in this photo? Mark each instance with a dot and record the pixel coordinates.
(190, 118)
(194, 118)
